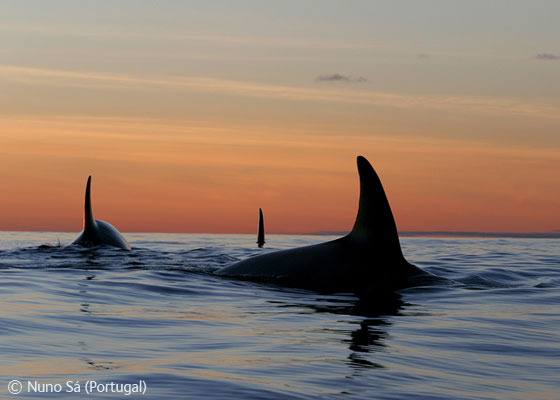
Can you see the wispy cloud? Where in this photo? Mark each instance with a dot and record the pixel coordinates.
(336, 77)
(470, 104)
(423, 56)
(215, 40)
(547, 57)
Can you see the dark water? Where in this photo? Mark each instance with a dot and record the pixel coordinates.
(491, 330)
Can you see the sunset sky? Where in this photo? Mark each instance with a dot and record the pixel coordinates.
(190, 115)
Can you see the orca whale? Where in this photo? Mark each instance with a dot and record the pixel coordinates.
(260, 233)
(367, 259)
(98, 232)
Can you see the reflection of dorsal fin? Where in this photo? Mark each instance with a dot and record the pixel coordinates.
(375, 222)
(89, 222)
(260, 234)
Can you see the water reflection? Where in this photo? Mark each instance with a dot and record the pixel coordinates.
(370, 335)
(84, 307)
(107, 365)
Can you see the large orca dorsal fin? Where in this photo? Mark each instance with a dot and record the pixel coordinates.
(89, 221)
(375, 222)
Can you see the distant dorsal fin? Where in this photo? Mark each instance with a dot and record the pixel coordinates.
(375, 222)
(89, 221)
(260, 234)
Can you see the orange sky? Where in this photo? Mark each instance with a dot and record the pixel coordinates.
(184, 177)
(191, 127)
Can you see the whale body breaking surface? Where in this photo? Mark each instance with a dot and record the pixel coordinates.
(368, 258)
(96, 232)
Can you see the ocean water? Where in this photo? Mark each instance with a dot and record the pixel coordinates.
(157, 317)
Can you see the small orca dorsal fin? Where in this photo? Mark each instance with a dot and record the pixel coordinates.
(89, 221)
(260, 234)
(375, 222)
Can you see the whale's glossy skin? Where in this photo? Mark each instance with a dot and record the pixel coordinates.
(98, 232)
(369, 257)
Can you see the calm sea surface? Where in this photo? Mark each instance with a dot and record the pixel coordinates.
(157, 314)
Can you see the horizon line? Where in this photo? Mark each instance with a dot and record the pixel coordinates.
(518, 235)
